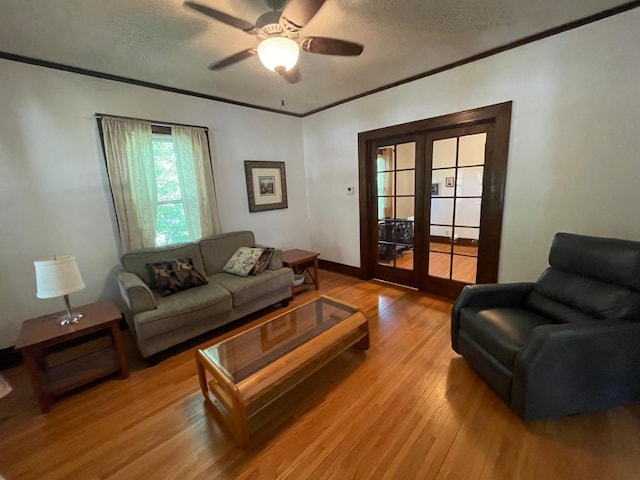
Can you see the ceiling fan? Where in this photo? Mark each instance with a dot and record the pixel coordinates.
(278, 31)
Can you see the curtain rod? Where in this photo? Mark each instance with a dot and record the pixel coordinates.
(153, 122)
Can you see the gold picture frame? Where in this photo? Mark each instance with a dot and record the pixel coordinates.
(266, 185)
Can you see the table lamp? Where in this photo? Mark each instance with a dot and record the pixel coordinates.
(58, 277)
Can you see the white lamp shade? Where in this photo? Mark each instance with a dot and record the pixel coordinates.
(57, 276)
(277, 52)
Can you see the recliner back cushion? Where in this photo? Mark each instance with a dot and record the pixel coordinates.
(218, 249)
(607, 259)
(590, 296)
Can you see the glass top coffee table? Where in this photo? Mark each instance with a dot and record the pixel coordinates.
(245, 373)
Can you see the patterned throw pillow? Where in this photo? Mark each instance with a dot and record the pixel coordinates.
(243, 260)
(263, 262)
(187, 274)
(174, 276)
(163, 278)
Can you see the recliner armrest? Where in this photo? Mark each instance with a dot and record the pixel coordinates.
(493, 295)
(136, 294)
(488, 295)
(572, 368)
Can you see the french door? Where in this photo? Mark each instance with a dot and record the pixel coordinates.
(431, 200)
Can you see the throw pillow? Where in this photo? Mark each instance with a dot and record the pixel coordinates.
(187, 274)
(243, 260)
(263, 262)
(163, 278)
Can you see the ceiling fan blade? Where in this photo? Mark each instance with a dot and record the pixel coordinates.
(293, 75)
(298, 13)
(331, 46)
(221, 17)
(225, 62)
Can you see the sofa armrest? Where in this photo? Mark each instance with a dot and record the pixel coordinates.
(136, 294)
(565, 369)
(487, 295)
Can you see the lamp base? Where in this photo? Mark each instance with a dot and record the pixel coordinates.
(69, 318)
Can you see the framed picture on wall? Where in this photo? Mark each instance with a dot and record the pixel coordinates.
(448, 181)
(266, 185)
(435, 187)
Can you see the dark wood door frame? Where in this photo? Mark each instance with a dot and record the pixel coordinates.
(494, 182)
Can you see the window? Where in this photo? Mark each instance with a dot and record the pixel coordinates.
(161, 180)
(171, 223)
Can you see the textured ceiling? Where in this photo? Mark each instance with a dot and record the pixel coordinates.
(162, 42)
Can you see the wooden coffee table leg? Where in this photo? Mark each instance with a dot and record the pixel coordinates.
(363, 343)
(219, 392)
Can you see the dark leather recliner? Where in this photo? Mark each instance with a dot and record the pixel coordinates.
(566, 344)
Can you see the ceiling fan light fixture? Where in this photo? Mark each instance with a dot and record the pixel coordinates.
(278, 53)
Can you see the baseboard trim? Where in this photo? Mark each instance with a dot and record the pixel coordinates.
(340, 268)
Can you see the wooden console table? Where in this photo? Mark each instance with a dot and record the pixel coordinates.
(301, 261)
(38, 336)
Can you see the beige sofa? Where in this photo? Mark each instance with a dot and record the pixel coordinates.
(160, 322)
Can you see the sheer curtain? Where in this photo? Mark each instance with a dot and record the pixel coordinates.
(130, 165)
(196, 181)
(385, 182)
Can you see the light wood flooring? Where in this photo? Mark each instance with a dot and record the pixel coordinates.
(465, 262)
(409, 408)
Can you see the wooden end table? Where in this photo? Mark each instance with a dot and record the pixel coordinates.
(38, 335)
(301, 261)
(245, 373)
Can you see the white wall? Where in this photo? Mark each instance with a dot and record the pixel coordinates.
(574, 161)
(54, 193)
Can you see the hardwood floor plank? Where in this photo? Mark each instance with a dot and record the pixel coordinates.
(407, 408)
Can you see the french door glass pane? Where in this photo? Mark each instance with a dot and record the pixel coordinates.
(444, 153)
(405, 207)
(442, 211)
(405, 182)
(439, 264)
(395, 183)
(456, 200)
(464, 269)
(405, 156)
(385, 183)
(469, 182)
(468, 211)
(471, 150)
(445, 179)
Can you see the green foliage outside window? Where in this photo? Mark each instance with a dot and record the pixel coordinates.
(171, 225)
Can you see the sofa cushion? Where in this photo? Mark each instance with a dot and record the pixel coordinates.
(210, 300)
(246, 289)
(187, 274)
(604, 301)
(174, 276)
(163, 278)
(217, 249)
(500, 331)
(135, 262)
(243, 261)
(263, 262)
